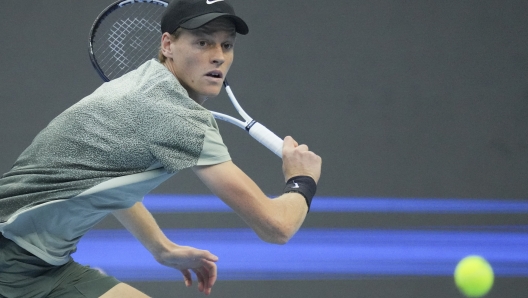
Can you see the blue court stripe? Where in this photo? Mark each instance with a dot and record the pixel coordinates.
(158, 203)
(312, 253)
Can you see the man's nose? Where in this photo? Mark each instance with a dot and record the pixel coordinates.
(217, 56)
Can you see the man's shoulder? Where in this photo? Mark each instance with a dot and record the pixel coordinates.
(153, 72)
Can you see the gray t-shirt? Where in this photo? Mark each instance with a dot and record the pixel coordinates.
(104, 153)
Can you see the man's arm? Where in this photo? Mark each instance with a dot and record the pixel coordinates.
(274, 220)
(138, 220)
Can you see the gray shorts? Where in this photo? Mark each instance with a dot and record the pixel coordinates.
(24, 275)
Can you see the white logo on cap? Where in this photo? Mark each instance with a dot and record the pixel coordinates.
(212, 1)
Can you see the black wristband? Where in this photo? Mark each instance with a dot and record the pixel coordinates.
(305, 185)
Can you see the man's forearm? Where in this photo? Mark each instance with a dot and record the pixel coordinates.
(274, 220)
(140, 222)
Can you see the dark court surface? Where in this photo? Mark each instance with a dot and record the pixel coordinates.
(401, 287)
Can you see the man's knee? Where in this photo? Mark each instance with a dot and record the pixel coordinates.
(123, 290)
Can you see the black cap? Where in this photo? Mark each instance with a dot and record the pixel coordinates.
(192, 14)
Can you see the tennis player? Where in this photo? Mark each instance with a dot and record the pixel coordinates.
(103, 154)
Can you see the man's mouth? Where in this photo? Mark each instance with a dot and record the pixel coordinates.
(215, 74)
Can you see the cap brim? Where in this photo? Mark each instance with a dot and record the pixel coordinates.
(197, 22)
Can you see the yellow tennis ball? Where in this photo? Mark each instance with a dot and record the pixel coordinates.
(474, 276)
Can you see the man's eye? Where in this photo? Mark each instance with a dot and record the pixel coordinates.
(202, 43)
(228, 46)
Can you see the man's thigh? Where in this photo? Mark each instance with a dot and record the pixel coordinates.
(24, 275)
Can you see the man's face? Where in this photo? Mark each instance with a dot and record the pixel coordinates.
(201, 61)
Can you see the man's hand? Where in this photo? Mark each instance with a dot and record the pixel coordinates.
(297, 160)
(186, 258)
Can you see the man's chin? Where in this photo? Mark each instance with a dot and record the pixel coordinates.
(205, 96)
(213, 93)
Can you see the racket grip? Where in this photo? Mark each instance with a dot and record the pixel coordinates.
(267, 138)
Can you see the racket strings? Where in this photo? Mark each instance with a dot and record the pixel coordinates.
(127, 37)
(123, 29)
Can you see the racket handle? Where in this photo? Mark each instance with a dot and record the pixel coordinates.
(267, 138)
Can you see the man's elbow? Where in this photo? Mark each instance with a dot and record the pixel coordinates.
(276, 239)
(278, 235)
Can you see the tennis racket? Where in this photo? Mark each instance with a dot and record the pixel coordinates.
(127, 33)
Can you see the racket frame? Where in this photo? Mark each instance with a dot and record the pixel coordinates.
(108, 10)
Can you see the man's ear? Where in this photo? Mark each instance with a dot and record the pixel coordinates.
(165, 45)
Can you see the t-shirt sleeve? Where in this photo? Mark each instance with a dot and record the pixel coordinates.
(213, 151)
(172, 128)
(176, 143)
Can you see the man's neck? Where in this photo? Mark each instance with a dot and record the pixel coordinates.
(199, 99)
